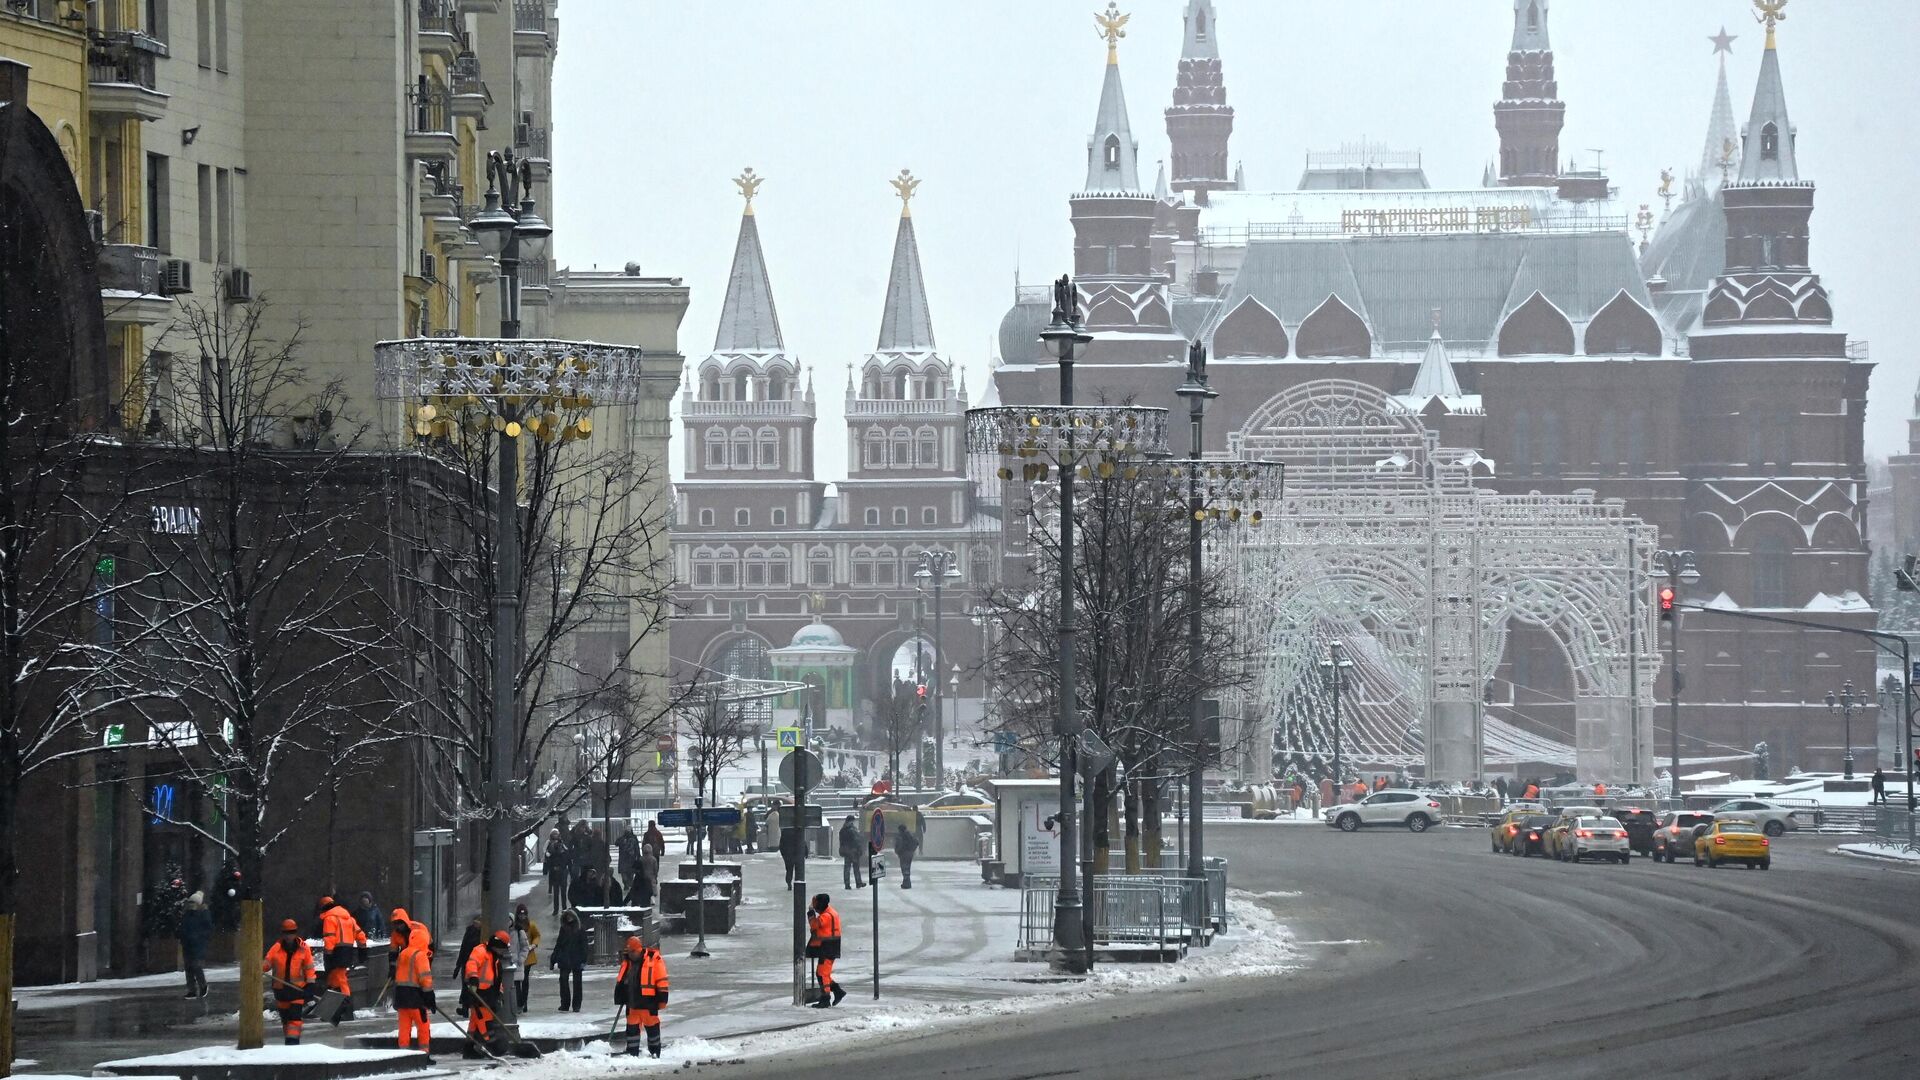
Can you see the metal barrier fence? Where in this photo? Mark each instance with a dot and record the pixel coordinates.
(1896, 827)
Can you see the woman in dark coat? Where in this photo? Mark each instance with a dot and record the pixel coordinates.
(569, 956)
(469, 941)
(194, 931)
(905, 845)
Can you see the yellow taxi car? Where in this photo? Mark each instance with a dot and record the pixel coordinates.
(1732, 840)
(1511, 822)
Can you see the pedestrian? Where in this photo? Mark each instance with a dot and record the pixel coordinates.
(484, 978)
(628, 848)
(588, 892)
(853, 851)
(346, 944)
(568, 957)
(413, 982)
(640, 886)
(558, 859)
(905, 844)
(655, 842)
(823, 947)
(469, 941)
(1532, 792)
(525, 937)
(793, 852)
(366, 912)
(642, 988)
(1500, 787)
(289, 969)
(194, 931)
(1879, 787)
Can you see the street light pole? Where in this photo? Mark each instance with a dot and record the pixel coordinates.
(1676, 565)
(1063, 338)
(938, 566)
(1847, 699)
(1335, 666)
(1197, 393)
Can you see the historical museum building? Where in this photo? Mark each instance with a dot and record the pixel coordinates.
(1699, 377)
(780, 578)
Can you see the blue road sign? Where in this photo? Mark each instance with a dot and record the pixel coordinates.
(721, 815)
(674, 818)
(711, 815)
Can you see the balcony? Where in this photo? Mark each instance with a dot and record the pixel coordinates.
(533, 28)
(530, 140)
(120, 74)
(480, 7)
(904, 406)
(536, 276)
(471, 98)
(130, 286)
(742, 409)
(441, 29)
(430, 123)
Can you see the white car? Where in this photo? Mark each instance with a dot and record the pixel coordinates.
(1598, 838)
(1416, 810)
(1772, 818)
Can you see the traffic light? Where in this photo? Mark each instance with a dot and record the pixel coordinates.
(1666, 603)
(920, 690)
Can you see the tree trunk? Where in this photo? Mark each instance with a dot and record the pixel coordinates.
(1102, 840)
(248, 949)
(6, 990)
(1150, 834)
(9, 895)
(1133, 826)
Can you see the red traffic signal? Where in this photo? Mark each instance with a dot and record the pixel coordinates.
(1666, 602)
(920, 690)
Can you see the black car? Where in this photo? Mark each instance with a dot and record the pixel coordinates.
(1531, 837)
(1640, 825)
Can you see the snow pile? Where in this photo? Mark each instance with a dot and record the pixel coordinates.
(714, 892)
(602, 1059)
(1895, 852)
(304, 1054)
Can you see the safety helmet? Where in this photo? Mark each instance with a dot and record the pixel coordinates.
(326, 902)
(500, 938)
(289, 926)
(634, 945)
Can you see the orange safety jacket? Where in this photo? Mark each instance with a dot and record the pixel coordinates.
(338, 929)
(413, 975)
(290, 968)
(825, 942)
(483, 971)
(647, 979)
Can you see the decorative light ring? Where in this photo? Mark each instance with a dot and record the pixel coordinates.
(507, 375)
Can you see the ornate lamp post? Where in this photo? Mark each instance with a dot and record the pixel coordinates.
(1208, 484)
(467, 387)
(1676, 566)
(1070, 440)
(1846, 701)
(938, 567)
(1334, 667)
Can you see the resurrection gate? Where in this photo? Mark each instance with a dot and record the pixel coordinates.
(1383, 542)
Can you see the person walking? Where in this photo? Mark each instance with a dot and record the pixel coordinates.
(366, 912)
(905, 845)
(588, 892)
(853, 852)
(526, 941)
(793, 850)
(653, 849)
(642, 988)
(346, 944)
(823, 947)
(469, 941)
(568, 957)
(628, 850)
(194, 931)
(483, 977)
(640, 886)
(558, 861)
(413, 982)
(1879, 789)
(289, 969)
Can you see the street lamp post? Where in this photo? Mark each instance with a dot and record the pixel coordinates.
(1846, 701)
(1676, 565)
(938, 566)
(1197, 393)
(1334, 667)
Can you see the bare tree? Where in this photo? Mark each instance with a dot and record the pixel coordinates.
(265, 640)
(897, 723)
(592, 534)
(718, 733)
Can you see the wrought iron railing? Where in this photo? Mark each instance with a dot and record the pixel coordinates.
(439, 17)
(427, 111)
(129, 268)
(535, 273)
(122, 58)
(530, 15)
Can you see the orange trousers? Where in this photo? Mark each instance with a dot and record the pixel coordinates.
(292, 1019)
(481, 1023)
(413, 1022)
(826, 975)
(337, 980)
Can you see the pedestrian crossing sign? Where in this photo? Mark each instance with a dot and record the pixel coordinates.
(789, 737)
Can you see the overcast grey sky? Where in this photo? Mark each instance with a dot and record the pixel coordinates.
(990, 102)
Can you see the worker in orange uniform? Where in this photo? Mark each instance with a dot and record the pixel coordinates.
(346, 944)
(642, 988)
(824, 947)
(413, 981)
(1600, 789)
(289, 970)
(485, 981)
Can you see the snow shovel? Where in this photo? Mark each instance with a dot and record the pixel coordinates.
(468, 1035)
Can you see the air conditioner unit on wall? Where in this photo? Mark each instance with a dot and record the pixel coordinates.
(176, 277)
(239, 286)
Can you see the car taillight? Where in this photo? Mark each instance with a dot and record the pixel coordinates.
(1719, 839)
(1533, 836)
(1764, 842)
(1433, 805)
(1585, 835)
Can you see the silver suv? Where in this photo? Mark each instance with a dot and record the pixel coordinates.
(1416, 810)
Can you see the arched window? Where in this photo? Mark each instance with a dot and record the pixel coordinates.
(1536, 328)
(706, 516)
(741, 384)
(1200, 25)
(769, 449)
(902, 449)
(756, 568)
(820, 566)
(726, 568)
(776, 386)
(873, 515)
(982, 561)
(1623, 328)
(742, 456)
(710, 386)
(929, 516)
(886, 566)
(1772, 555)
(900, 385)
(1250, 329)
(1533, 17)
(1334, 330)
(874, 456)
(703, 561)
(1113, 152)
(928, 455)
(1770, 142)
(863, 564)
(715, 441)
(779, 567)
(779, 515)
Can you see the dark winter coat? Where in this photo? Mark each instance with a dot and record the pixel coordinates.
(640, 887)
(905, 843)
(852, 844)
(655, 840)
(589, 892)
(195, 930)
(558, 857)
(792, 846)
(469, 941)
(570, 950)
(629, 848)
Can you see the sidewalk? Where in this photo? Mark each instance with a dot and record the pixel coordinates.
(947, 940)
